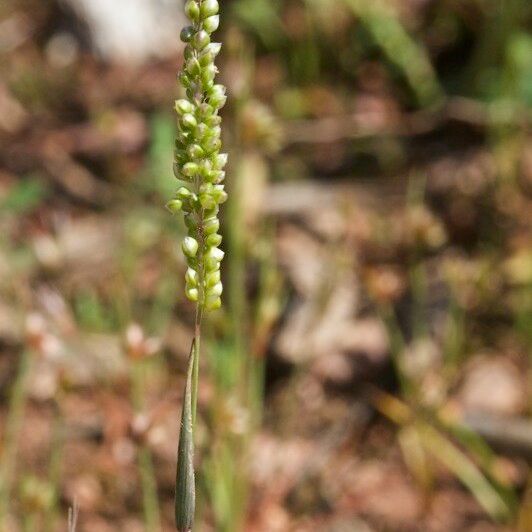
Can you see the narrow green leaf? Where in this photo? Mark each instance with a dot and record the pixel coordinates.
(185, 497)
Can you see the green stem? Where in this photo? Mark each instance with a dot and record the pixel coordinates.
(195, 361)
(54, 472)
(150, 501)
(13, 426)
(29, 522)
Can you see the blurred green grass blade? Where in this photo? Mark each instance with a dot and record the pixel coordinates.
(13, 426)
(185, 496)
(400, 49)
(262, 18)
(24, 196)
(161, 155)
(465, 470)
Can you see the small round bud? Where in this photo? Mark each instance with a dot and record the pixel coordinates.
(193, 67)
(195, 151)
(212, 144)
(219, 194)
(213, 49)
(208, 73)
(221, 161)
(213, 302)
(215, 290)
(187, 33)
(208, 54)
(212, 278)
(192, 10)
(207, 201)
(213, 240)
(189, 121)
(200, 40)
(211, 226)
(184, 194)
(215, 254)
(211, 24)
(191, 169)
(201, 131)
(190, 246)
(213, 120)
(189, 52)
(209, 8)
(210, 264)
(191, 293)
(184, 79)
(183, 107)
(174, 206)
(205, 110)
(191, 277)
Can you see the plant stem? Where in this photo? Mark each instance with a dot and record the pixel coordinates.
(150, 501)
(54, 471)
(13, 426)
(149, 491)
(195, 366)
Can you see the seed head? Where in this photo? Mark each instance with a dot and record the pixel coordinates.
(198, 162)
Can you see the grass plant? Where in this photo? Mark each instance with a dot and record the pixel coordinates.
(199, 166)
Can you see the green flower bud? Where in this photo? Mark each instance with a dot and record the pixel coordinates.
(185, 81)
(192, 10)
(208, 54)
(205, 168)
(195, 151)
(189, 121)
(213, 240)
(208, 73)
(174, 206)
(211, 24)
(213, 49)
(191, 169)
(201, 131)
(213, 120)
(211, 144)
(221, 161)
(206, 188)
(200, 40)
(211, 226)
(219, 194)
(207, 201)
(192, 293)
(215, 290)
(189, 52)
(212, 279)
(205, 110)
(209, 8)
(187, 33)
(193, 67)
(191, 277)
(216, 254)
(184, 194)
(190, 246)
(183, 107)
(213, 302)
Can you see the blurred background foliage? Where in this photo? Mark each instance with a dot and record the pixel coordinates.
(371, 367)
